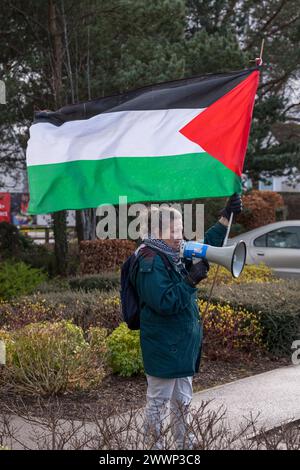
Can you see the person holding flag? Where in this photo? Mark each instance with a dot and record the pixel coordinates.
(170, 323)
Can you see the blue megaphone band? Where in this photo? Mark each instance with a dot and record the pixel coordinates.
(194, 250)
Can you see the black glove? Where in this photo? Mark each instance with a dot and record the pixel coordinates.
(197, 272)
(234, 204)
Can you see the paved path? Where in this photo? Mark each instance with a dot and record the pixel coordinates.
(275, 395)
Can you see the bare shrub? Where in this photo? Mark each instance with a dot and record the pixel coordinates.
(114, 431)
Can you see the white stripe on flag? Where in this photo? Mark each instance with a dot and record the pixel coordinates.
(121, 134)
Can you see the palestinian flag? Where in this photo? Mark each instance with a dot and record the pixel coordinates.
(177, 140)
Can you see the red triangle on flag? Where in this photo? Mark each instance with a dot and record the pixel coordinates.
(222, 129)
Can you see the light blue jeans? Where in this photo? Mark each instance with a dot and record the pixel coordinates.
(169, 397)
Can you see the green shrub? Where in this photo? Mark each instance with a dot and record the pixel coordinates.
(12, 243)
(14, 246)
(124, 351)
(18, 279)
(277, 304)
(49, 358)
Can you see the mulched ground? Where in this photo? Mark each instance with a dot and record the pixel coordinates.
(120, 394)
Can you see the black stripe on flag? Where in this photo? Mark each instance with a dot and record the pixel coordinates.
(196, 92)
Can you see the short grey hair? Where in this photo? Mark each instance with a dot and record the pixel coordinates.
(158, 218)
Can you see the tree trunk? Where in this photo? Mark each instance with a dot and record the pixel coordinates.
(86, 224)
(56, 38)
(89, 224)
(61, 242)
(79, 226)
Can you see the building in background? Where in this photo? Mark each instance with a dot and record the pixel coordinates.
(289, 183)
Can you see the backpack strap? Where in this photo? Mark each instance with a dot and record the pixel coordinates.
(166, 260)
(148, 254)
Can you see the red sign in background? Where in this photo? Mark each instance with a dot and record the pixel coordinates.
(13, 209)
(5, 202)
(19, 207)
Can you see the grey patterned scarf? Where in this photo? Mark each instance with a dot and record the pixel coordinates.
(162, 246)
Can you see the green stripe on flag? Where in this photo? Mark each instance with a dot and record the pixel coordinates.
(88, 183)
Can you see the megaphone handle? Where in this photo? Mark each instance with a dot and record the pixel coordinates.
(218, 267)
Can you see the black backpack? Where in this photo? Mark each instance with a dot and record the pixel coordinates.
(128, 293)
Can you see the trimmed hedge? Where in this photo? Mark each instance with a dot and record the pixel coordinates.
(111, 280)
(86, 282)
(86, 309)
(103, 255)
(277, 304)
(104, 281)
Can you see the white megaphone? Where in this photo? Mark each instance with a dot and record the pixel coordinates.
(231, 257)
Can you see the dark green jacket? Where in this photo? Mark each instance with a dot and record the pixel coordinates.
(171, 330)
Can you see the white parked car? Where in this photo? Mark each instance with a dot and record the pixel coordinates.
(277, 245)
